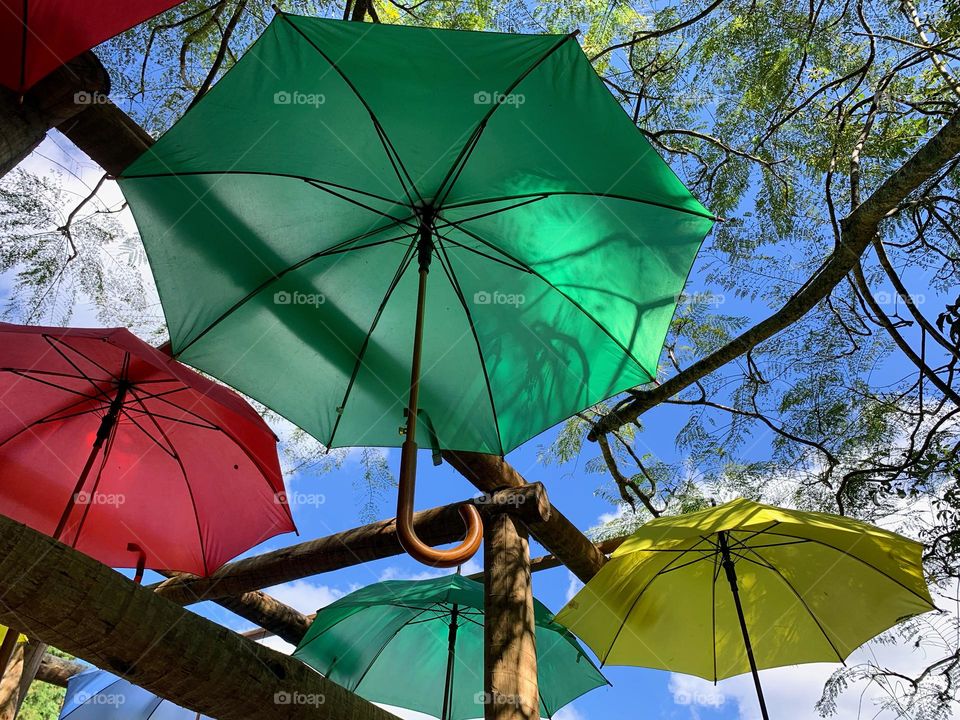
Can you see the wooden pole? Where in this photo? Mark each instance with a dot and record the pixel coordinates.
(348, 548)
(510, 648)
(557, 534)
(7, 647)
(10, 683)
(57, 670)
(73, 602)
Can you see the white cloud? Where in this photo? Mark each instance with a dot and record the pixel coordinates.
(568, 712)
(278, 644)
(394, 572)
(305, 596)
(573, 585)
(611, 516)
(792, 692)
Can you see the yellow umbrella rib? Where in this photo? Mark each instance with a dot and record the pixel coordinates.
(661, 571)
(870, 565)
(770, 566)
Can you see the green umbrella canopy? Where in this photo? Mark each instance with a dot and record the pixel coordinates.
(280, 216)
(389, 643)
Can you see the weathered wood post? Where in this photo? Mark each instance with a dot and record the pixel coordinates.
(66, 92)
(510, 647)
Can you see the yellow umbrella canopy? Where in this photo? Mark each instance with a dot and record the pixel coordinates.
(812, 588)
(3, 635)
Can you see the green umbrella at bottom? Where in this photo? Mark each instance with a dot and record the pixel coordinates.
(419, 645)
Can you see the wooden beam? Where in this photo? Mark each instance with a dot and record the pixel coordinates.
(509, 637)
(71, 601)
(108, 135)
(548, 562)
(57, 670)
(544, 562)
(351, 547)
(557, 534)
(69, 90)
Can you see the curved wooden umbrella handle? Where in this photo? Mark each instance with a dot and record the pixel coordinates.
(415, 547)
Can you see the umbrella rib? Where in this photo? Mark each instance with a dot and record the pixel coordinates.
(636, 600)
(186, 481)
(179, 421)
(453, 174)
(864, 562)
(155, 708)
(803, 602)
(710, 556)
(383, 647)
(579, 193)
(359, 204)
(160, 398)
(388, 147)
(242, 446)
(475, 236)
(52, 373)
(523, 201)
(262, 173)
(171, 451)
(339, 247)
(452, 278)
(102, 396)
(484, 255)
(401, 270)
(50, 418)
(51, 340)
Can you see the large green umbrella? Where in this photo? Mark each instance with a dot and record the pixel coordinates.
(393, 641)
(287, 214)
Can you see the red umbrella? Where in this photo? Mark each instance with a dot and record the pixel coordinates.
(107, 442)
(38, 36)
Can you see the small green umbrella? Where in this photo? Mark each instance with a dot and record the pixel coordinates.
(393, 641)
(291, 219)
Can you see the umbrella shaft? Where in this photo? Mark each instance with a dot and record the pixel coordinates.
(107, 424)
(451, 656)
(414, 402)
(731, 573)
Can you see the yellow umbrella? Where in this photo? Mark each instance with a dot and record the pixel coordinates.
(743, 586)
(3, 635)
(7, 647)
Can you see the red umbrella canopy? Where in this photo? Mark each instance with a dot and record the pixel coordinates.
(38, 36)
(106, 441)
